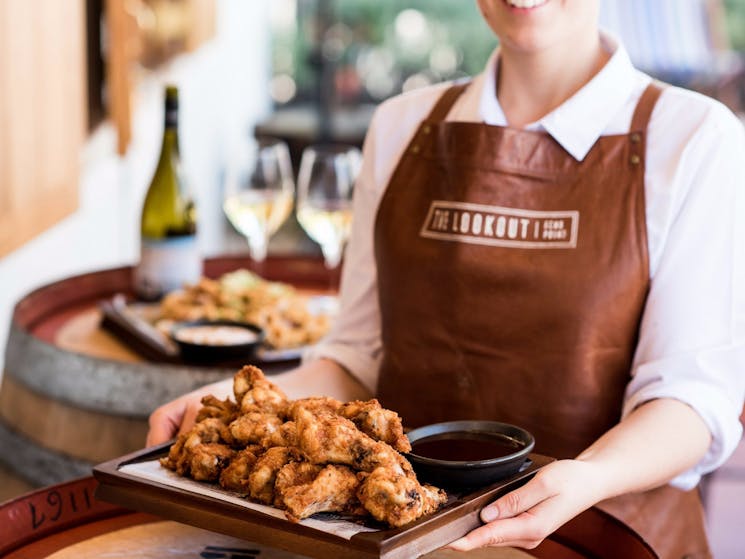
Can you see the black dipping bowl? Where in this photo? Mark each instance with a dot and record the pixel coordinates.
(214, 352)
(459, 473)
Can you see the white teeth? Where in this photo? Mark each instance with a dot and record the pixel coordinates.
(526, 3)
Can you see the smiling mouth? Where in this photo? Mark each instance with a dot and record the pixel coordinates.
(525, 4)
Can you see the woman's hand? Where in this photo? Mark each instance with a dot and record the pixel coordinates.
(526, 516)
(177, 416)
(653, 444)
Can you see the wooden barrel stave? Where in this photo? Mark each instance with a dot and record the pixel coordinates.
(95, 437)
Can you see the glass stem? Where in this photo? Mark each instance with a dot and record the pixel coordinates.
(331, 255)
(258, 250)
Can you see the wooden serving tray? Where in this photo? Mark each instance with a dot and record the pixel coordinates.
(459, 516)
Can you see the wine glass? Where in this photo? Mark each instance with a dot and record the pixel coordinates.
(324, 197)
(259, 194)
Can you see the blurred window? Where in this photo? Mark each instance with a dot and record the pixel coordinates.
(351, 52)
(684, 42)
(735, 23)
(670, 38)
(346, 53)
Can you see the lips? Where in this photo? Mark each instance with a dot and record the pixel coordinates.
(525, 4)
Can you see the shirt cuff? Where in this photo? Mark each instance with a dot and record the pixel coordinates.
(361, 365)
(708, 388)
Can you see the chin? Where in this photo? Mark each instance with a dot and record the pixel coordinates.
(526, 42)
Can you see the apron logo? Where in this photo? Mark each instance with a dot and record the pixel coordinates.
(497, 226)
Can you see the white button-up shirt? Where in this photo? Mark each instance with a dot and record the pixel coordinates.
(692, 339)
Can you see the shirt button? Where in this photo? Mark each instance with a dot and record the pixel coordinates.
(415, 149)
(636, 138)
(427, 129)
(635, 159)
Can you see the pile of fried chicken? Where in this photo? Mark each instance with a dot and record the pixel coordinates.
(304, 456)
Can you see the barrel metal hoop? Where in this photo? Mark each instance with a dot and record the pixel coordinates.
(35, 464)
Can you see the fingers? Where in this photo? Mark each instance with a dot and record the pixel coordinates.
(179, 415)
(527, 530)
(188, 417)
(164, 422)
(520, 500)
(527, 515)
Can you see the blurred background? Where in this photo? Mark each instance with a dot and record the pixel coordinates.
(81, 114)
(82, 85)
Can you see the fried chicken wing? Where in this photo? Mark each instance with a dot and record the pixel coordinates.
(210, 430)
(304, 489)
(253, 427)
(291, 475)
(286, 435)
(296, 473)
(207, 461)
(224, 410)
(235, 476)
(327, 438)
(264, 473)
(316, 403)
(253, 390)
(374, 420)
(397, 499)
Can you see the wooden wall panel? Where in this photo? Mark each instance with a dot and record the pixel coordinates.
(146, 34)
(123, 46)
(42, 114)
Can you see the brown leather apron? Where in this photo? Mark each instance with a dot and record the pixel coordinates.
(512, 279)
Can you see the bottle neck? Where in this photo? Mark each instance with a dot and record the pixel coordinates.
(170, 141)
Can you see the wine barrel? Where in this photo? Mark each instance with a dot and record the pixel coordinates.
(66, 407)
(67, 521)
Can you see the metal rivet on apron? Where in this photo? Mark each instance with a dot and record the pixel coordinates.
(415, 149)
(427, 129)
(636, 137)
(635, 159)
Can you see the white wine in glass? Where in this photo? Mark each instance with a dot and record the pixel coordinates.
(259, 195)
(324, 197)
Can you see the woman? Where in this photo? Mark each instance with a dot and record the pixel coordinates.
(555, 245)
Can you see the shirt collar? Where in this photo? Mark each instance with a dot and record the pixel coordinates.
(578, 123)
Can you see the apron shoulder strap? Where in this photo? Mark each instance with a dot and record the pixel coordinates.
(446, 101)
(645, 106)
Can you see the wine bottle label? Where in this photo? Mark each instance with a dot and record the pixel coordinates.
(166, 265)
(171, 117)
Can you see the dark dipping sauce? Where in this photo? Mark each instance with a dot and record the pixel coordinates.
(464, 446)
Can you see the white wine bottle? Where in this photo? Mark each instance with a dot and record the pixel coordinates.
(169, 256)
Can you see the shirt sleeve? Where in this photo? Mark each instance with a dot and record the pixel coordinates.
(692, 336)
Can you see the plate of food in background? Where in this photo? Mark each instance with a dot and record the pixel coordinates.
(283, 320)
